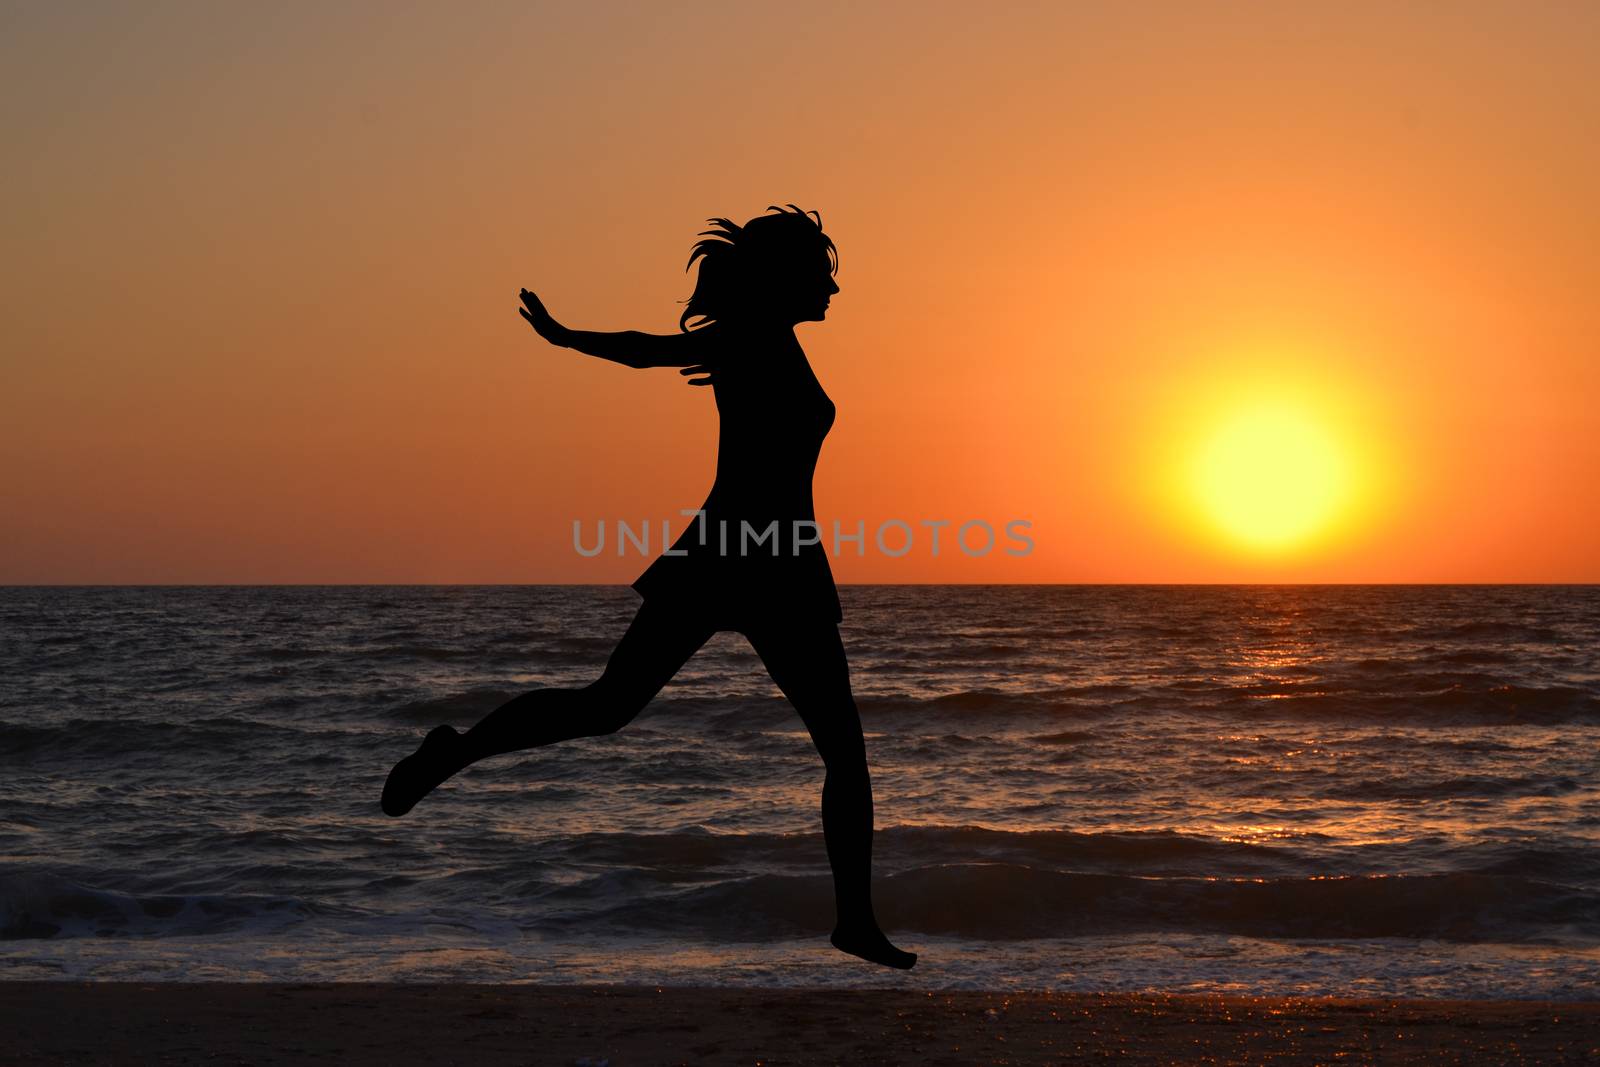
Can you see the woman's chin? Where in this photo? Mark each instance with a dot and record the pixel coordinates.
(814, 315)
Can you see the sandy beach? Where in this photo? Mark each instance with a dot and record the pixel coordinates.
(100, 1023)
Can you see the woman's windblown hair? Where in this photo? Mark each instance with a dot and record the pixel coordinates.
(738, 264)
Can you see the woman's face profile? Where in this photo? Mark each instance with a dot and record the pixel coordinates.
(811, 289)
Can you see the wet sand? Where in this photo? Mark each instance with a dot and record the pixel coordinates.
(60, 1022)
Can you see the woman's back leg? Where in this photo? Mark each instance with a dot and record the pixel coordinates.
(655, 647)
(808, 663)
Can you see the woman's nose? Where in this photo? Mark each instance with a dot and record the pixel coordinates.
(833, 287)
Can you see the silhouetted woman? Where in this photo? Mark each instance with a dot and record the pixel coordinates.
(751, 562)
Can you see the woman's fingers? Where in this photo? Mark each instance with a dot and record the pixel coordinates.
(700, 369)
(533, 304)
(534, 311)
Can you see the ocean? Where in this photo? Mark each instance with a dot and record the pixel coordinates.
(1367, 791)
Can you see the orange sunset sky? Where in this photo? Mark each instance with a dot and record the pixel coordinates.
(262, 267)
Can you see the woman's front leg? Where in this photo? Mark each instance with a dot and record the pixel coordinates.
(808, 663)
(658, 643)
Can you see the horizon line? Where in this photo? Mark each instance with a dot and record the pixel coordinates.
(860, 585)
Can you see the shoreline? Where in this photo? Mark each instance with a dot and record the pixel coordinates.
(361, 1023)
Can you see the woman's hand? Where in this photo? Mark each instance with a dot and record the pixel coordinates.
(701, 369)
(540, 320)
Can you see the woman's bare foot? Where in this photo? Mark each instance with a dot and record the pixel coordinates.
(870, 944)
(419, 773)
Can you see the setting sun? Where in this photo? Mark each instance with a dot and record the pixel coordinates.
(1255, 453)
(1270, 477)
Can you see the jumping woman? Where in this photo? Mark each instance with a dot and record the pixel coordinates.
(751, 561)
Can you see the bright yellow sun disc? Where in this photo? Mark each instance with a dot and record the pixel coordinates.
(1270, 477)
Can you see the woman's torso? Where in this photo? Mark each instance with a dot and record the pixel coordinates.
(773, 416)
(756, 556)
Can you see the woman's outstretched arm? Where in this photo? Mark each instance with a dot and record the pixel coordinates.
(628, 347)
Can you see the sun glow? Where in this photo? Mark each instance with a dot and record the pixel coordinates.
(1269, 453)
(1270, 476)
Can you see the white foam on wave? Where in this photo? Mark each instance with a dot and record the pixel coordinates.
(1163, 964)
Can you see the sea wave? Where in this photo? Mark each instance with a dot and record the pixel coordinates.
(1147, 851)
(1452, 705)
(1006, 901)
(1433, 700)
(89, 739)
(40, 904)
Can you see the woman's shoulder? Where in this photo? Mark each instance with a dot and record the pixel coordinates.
(753, 348)
(718, 340)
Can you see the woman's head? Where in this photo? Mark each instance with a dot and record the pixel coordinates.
(777, 267)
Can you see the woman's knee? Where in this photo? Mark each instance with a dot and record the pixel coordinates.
(613, 703)
(845, 757)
